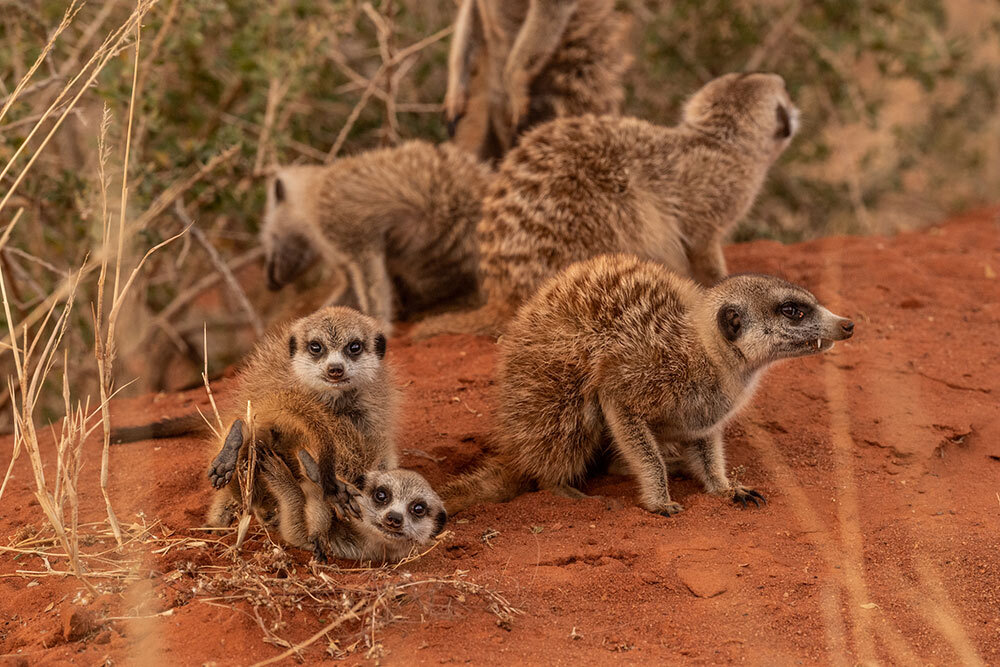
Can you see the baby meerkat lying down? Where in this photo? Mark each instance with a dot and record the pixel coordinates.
(618, 353)
(394, 512)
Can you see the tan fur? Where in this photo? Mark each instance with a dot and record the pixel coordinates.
(516, 63)
(579, 187)
(399, 220)
(347, 427)
(620, 352)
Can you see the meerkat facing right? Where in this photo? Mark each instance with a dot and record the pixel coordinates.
(618, 351)
(579, 187)
(400, 220)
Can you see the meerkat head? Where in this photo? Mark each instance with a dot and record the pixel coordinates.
(401, 506)
(751, 102)
(287, 233)
(336, 349)
(766, 318)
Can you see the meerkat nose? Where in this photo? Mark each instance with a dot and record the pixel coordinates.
(847, 326)
(335, 371)
(394, 519)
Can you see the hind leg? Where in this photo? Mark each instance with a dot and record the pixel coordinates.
(708, 264)
(222, 512)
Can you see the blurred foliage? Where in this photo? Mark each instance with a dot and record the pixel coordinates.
(898, 100)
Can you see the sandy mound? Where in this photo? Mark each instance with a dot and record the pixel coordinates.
(880, 461)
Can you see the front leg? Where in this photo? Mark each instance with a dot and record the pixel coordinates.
(636, 445)
(372, 285)
(708, 264)
(223, 466)
(706, 459)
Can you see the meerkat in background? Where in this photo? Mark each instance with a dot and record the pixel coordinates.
(398, 510)
(621, 351)
(579, 187)
(400, 220)
(516, 63)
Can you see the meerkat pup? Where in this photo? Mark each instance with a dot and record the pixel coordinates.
(400, 220)
(621, 352)
(516, 63)
(579, 187)
(398, 510)
(320, 387)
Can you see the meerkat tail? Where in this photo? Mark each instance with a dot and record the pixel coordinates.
(493, 482)
(484, 321)
(172, 427)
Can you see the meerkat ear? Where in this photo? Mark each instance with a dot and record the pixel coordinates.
(309, 465)
(730, 322)
(380, 345)
(292, 346)
(279, 190)
(439, 521)
(784, 123)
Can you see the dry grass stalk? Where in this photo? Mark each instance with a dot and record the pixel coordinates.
(220, 266)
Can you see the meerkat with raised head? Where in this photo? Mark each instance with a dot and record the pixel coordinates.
(516, 63)
(400, 221)
(398, 510)
(579, 187)
(620, 352)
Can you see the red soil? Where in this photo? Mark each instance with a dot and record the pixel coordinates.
(880, 461)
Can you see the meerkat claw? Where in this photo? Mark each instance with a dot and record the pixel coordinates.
(670, 509)
(745, 496)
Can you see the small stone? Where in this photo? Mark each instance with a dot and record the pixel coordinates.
(703, 582)
(78, 623)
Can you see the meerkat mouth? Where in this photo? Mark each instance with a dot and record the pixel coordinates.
(394, 534)
(821, 344)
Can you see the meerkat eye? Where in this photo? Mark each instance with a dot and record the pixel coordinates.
(355, 347)
(381, 495)
(791, 311)
(315, 347)
(784, 129)
(418, 509)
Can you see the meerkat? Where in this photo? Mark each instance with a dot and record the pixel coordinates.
(579, 187)
(400, 220)
(516, 63)
(319, 385)
(398, 510)
(620, 352)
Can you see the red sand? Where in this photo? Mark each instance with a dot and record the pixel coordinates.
(880, 461)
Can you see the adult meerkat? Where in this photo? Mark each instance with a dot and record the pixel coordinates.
(398, 511)
(400, 220)
(580, 187)
(516, 63)
(621, 351)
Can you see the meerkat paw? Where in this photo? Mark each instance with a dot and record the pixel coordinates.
(318, 550)
(454, 111)
(567, 491)
(220, 473)
(669, 508)
(345, 500)
(743, 496)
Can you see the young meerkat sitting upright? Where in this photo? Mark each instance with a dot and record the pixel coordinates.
(318, 388)
(398, 510)
(621, 352)
(580, 187)
(400, 220)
